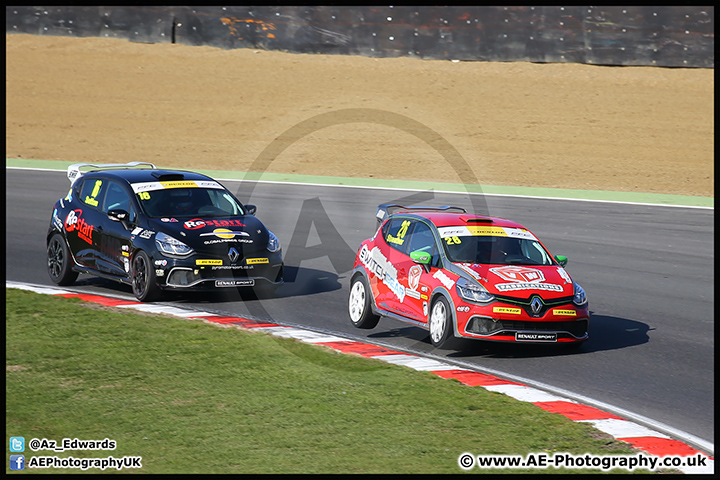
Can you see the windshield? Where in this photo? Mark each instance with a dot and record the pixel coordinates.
(495, 250)
(189, 202)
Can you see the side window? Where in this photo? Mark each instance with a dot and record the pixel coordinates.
(395, 233)
(422, 239)
(92, 191)
(116, 198)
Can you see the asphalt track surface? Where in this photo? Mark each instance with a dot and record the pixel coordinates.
(648, 271)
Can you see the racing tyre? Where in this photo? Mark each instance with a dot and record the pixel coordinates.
(143, 278)
(440, 322)
(59, 261)
(359, 308)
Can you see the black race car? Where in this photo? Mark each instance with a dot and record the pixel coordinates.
(158, 230)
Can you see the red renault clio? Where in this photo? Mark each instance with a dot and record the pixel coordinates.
(464, 275)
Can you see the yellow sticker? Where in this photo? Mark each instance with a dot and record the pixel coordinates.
(481, 230)
(514, 311)
(179, 184)
(208, 262)
(251, 261)
(569, 313)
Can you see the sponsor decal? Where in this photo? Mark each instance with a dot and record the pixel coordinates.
(125, 254)
(564, 275)
(523, 278)
(506, 287)
(161, 263)
(159, 273)
(75, 223)
(569, 313)
(208, 262)
(126, 261)
(232, 267)
(197, 223)
(469, 270)
(234, 283)
(225, 233)
(463, 308)
(444, 279)
(377, 264)
(166, 220)
(414, 276)
(535, 337)
(514, 311)
(252, 261)
(57, 222)
(425, 308)
(481, 230)
(515, 273)
(150, 186)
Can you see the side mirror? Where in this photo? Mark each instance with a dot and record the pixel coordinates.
(250, 209)
(421, 257)
(121, 216)
(562, 260)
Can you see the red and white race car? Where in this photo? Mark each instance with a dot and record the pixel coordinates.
(464, 275)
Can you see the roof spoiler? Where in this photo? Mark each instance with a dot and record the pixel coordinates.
(73, 171)
(387, 209)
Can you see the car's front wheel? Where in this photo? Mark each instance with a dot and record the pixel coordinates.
(440, 323)
(361, 314)
(59, 261)
(143, 280)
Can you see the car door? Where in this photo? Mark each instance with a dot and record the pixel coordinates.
(113, 249)
(83, 221)
(390, 291)
(416, 277)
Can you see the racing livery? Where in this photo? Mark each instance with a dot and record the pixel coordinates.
(464, 275)
(158, 230)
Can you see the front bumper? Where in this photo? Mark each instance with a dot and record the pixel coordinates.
(207, 274)
(567, 323)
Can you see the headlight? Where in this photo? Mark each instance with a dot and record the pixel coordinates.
(472, 292)
(171, 246)
(580, 298)
(273, 242)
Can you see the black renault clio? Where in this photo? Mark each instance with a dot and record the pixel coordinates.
(158, 230)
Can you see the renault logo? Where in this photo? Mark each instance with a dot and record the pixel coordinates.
(535, 305)
(233, 254)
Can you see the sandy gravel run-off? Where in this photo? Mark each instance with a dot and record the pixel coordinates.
(629, 129)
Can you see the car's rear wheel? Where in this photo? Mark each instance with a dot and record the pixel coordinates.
(59, 261)
(143, 280)
(359, 308)
(440, 323)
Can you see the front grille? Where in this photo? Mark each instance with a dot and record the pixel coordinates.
(524, 303)
(487, 326)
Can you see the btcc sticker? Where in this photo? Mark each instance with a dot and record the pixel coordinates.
(252, 261)
(514, 311)
(208, 262)
(485, 231)
(377, 264)
(150, 186)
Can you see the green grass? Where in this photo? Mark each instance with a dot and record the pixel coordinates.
(190, 397)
